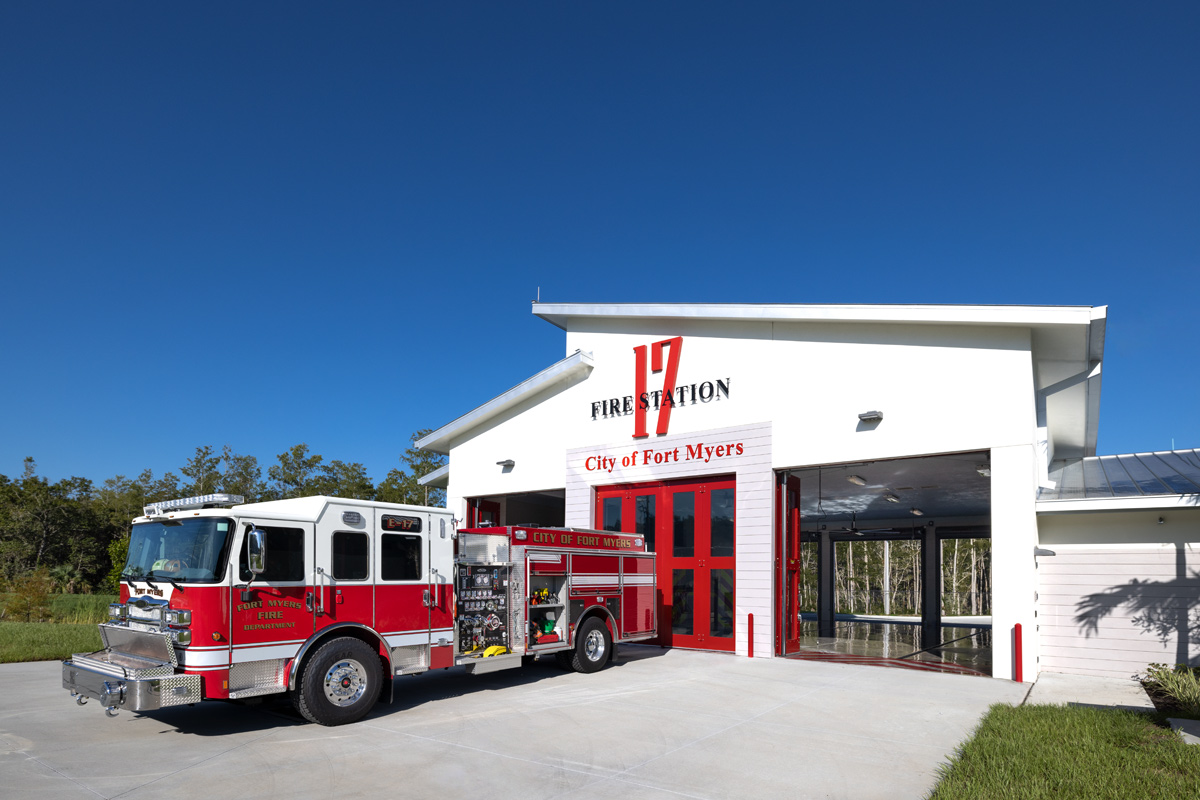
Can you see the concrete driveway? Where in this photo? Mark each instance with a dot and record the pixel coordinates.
(658, 724)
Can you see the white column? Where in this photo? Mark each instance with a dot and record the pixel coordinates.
(1014, 575)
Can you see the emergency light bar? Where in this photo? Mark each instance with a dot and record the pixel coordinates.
(200, 501)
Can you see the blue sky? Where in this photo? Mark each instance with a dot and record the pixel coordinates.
(270, 223)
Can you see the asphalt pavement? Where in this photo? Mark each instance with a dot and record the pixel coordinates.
(657, 724)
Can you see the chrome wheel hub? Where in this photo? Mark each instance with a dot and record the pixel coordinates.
(593, 646)
(345, 682)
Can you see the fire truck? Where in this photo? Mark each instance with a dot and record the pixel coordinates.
(325, 599)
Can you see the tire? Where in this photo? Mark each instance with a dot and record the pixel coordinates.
(340, 682)
(593, 646)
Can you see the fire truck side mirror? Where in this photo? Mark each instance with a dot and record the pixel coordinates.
(256, 550)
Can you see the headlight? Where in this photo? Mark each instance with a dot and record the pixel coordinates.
(116, 611)
(183, 637)
(178, 617)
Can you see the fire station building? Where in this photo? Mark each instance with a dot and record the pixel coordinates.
(850, 481)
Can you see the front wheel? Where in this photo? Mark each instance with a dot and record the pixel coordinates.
(593, 646)
(340, 683)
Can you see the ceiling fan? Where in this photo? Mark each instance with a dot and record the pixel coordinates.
(857, 531)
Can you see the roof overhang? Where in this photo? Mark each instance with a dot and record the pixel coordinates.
(1148, 503)
(1020, 316)
(440, 440)
(438, 479)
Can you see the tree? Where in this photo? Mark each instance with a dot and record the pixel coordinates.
(338, 479)
(293, 475)
(242, 475)
(203, 470)
(400, 485)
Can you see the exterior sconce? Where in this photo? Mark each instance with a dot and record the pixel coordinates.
(507, 463)
(871, 416)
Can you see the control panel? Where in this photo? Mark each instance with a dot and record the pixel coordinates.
(482, 606)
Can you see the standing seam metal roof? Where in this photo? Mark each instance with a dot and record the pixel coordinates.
(1166, 472)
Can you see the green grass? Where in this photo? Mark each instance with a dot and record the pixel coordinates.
(71, 608)
(46, 641)
(1067, 752)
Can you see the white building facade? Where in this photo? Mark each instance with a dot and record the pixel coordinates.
(704, 413)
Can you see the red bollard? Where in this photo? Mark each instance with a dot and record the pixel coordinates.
(1017, 676)
(750, 635)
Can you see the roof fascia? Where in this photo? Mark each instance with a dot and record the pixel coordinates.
(439, 440)
(438, 479)
(1144, 503)
(559, 313)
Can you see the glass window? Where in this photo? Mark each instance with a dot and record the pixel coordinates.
(645, 519)
(351, 555)
(684, 513)
(721, 603)
(612, 514)
(722, 522)
(285, 556)
(188, 550)
(682, 597)
(400, 557)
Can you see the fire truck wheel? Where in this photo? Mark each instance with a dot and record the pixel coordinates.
(592, 646)
(340, 683)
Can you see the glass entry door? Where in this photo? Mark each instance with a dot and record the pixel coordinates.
(690, 526)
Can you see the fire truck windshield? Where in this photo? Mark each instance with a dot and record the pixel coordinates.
(190, 550)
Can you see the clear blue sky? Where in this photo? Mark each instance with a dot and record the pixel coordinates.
(269, 223)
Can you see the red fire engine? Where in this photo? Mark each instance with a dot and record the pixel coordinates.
(324, 598)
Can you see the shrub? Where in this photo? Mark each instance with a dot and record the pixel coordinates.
(1180, 684)
(30, 598)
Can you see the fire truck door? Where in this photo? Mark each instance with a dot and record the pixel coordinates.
(344, 583)
(414, 575)
(271, 618)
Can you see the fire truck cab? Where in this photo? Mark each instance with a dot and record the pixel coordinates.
(326, 598)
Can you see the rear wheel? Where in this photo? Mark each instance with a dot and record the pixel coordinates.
(593, 646)
(340, 683)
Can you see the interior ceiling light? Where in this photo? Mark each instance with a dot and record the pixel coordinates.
(891, 498)
(857, 480)
(984, 470)
(916, 512)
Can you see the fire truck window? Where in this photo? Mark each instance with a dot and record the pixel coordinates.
(645, 519)
(720, 603)
(285, 556)
(685, 524)
(612, 514)
(351, 555)
(722, 523)
(400, 557)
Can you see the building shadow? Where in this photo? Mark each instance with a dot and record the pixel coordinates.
(1169, 610)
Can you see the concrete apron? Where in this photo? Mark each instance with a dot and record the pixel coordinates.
(660, 723)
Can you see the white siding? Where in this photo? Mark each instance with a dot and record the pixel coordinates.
(753, 492)
(1111, 610)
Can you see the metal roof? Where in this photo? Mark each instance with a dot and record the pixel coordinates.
(1159, 474)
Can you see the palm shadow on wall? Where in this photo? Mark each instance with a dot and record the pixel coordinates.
(1169, 610)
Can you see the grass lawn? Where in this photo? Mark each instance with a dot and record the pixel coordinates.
(46, 641)
(1071, 752)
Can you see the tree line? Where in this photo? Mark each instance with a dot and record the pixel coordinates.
(75, 532)
(859, 584)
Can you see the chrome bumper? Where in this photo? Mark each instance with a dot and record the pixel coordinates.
(117, 682)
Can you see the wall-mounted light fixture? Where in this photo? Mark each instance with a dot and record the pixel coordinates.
(891, 498)
(916, 512)
(984, 469)
(1161, 521)
(871, 416)
(507, 463)
(857, 480)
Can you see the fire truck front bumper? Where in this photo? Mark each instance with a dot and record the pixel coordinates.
(142, 686)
